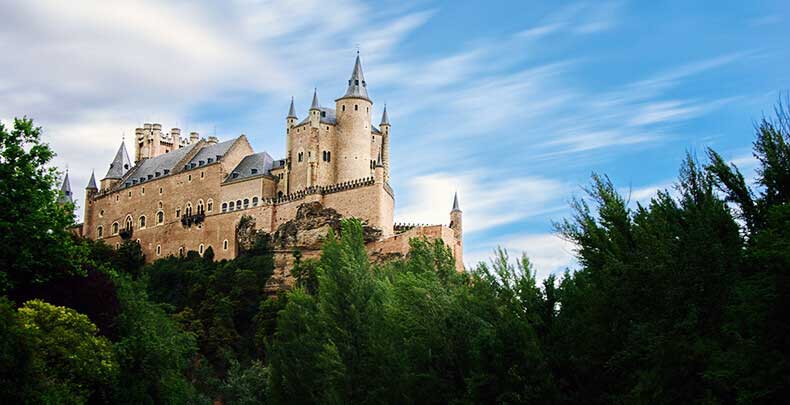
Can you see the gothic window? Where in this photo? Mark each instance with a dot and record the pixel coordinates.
(210, 205)
(99, 231)
(114, 228)
(246, 203)
(160, 218)
(129, 223)
(200, 208)
(142, 221)
(224, 207)
(188, 209)
(254, 201)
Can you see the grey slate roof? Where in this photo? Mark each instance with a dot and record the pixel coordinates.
(327, 117)
(161, 165)
(252, 165)
(278, 164)
(292, 110)
(65, 191)
(456, 207)
(385, 119)
(315, 103)
(211, 152)
(356, 85)
(120, 164)
(92, 182)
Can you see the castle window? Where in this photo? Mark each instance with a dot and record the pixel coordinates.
(224, 207)
(130, 194)
(232, 206)
(210, 205)
(246, 203)
(167, 171)
(343, 108)
(129, 223)
(238, 204)
(117, 197)
(356, 107)
(225, 244)
(160, 218)
(254, 171)
(101, 213)
(158, 250)
(200, 208)
(99, 231)
(142, 221)
(178, 212)
(159, 205)
(114, 228)
(181, 251)
(188, 209)
(254, 201)
(356, 82)
(160, 190)
(189, 178)
(202, 174)
(201, 249)
(142, 191)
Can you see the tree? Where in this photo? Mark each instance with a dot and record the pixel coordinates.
(70, 361)
(35, 243)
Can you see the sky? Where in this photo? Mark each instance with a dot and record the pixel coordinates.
(511, 104)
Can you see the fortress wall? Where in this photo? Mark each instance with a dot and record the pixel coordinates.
(398, 245)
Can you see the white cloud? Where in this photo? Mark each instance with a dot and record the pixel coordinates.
(548, 252)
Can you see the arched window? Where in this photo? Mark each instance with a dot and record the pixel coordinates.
(280, 194)
(99, 231)
(181, 251)
(225, 244)
(200, 207)
(246, 203)
(188, 209)
(142, 221)
(254, 201)
(114, 228)
(160, 218)
(210, 205)
(224, 207)
(158, 250)
(232, 205)
(129, 223)
(200, 249)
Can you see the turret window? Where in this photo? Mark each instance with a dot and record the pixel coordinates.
(343, 108)
(160, 218)
(200, 207)
(356, 107)
(99, 231)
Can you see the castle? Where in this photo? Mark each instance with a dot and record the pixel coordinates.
(189, 194)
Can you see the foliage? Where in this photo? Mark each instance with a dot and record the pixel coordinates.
(35, 243)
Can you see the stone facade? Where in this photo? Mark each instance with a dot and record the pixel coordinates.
(190, 194)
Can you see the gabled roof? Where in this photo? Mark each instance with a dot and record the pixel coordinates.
(252, 165)
(211, 152)
(120, 164)
(327, 116)
(161, 165)
(356, 84)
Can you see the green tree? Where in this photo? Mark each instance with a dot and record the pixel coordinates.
(70, 361)
(35, 243)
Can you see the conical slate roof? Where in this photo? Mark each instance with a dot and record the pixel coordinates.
(92, 182)
(65, 191)
(357, 87)
(292, 110)
(456, 206)
(385, 119)
(120, 165)
(315, 105)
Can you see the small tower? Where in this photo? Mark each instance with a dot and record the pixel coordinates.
(353, 129)
(90, 192)
(456, 219)
(315, 111)
(118, 168)
(385, 143)
(65, 196)
(290, 122)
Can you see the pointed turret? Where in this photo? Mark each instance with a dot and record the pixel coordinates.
(92, 182)
(65, 191)
(385, 119)
(357, 87)
(292, 110)
(120, 164)
(456, 206)
(456, 220)
(315, 105)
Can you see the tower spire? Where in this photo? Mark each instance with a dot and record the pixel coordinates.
(315, 105)
(292, 110)
(65, 190)
(456, 206)
(357, 87)
(385, 119)
(120, 164)
(92, 182)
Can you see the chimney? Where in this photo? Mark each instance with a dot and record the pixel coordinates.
(175, 133)
(193, 137)
(212, 140)
(156, 129)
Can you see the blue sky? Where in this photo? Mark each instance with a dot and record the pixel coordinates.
(512, 104)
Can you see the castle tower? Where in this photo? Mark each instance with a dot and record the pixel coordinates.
(65, 196)
(290, 121)
(118, 168)
(315, 111)
(90, 192)
(385, 143)
(456, 220)
(353, 129)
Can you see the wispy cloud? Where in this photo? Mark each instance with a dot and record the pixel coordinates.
(549, 253)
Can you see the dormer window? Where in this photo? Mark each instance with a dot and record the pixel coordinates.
(234, 175)
(167, 171)
(201, 163)
(209, 160)
(142, 179)
(323, 113)
(150, 176)
(157, 174)
(254, 171)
